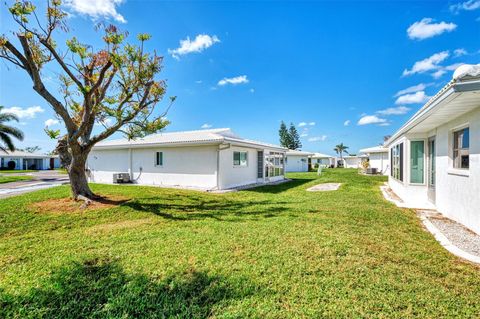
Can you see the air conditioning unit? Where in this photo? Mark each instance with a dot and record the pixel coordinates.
(121, 178)
(372, 170)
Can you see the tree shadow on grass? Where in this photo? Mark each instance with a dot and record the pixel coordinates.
(218, 208)
(101, 289)
(280, 188)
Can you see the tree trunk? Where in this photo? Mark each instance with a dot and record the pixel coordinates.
(78, 178)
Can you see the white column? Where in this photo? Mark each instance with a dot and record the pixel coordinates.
(130, 170)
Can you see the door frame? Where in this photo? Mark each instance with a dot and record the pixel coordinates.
(431, 168)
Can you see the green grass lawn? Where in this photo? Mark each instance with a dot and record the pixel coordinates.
(271, 252)
(9, 179)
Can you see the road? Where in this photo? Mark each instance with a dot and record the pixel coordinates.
(41, 180)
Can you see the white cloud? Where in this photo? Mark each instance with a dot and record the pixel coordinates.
(346, 123)
(199, 81)
(469, 5)
(302, 124)
(252, 90)
(459, 52)
(412, 89)
(206, 125)
(200, 43)
(444, 69)
(428, 64)
(97, 8)
(241, 79)
(371, 119)
(104, 122)
(426, 28)
(413, 98)
(304, 135)
(28, 113)
(317, 138)
(399, 110)
(438, 74)
(51, 122)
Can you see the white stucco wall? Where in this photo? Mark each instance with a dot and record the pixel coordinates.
(352, 162)
(233, 176)
(297, 163)
(379, 161)
(458, 192)
(182, 166)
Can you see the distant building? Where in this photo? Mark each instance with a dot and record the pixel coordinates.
(297, 161)
(377, 158)
(20, 160)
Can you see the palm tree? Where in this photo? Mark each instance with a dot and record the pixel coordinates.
(7, 131)
(339, 149)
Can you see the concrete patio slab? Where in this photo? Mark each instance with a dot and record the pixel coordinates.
(325, 187)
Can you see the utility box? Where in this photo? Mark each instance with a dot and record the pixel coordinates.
(372, 170)
(121, 178)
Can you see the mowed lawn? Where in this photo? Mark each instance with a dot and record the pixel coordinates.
(270, 252)
(8, 179)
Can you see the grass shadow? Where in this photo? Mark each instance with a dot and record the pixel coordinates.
(280, 188)
(101, 289)
(218, 208)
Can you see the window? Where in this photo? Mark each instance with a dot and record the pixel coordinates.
(461, 144)
(159, 159)
(240, 158)
(397, 161)
(274, 164)
(417, 152)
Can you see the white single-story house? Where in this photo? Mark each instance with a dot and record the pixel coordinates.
(321, 159)
(352, 161)
(297, 161)
(377, 158)
(20, 160)
(435, 156)
(214, 159)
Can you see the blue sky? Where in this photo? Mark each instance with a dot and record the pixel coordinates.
(335, 69)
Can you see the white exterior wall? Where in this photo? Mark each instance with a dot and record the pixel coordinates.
(351, 162)
(182, 166)
(297, 163)
(457, 192)
(234, 176)
(379, 161)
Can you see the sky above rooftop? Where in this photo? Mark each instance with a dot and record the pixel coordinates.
(348, 72)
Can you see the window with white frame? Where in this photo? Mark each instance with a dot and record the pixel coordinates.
(158, 158)
(240, 158)
(397, 161)
(461, 145)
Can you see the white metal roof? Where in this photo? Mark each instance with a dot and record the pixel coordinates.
(320, 155)
(198, 137)
(17, 153)
(298, 153)
(458, 97)
(374, 149)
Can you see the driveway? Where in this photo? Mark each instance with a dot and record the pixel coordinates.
(40, 180)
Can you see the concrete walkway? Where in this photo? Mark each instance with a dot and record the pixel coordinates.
(40, 180)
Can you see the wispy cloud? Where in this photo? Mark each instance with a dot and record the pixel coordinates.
(346, 123)
(206, 125)
(51, 122)
(459, 52)
(399, 110)
(412, 89)
(97, 8)
(200, 43)
(24, 113)
(304, 135)
(372, 119)
(317, 138)
(429, 64)
(413, 98)
(252, 90)
(444, 69)
(241, 79)
(427, 28)
(302, 124)
(465, 6)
